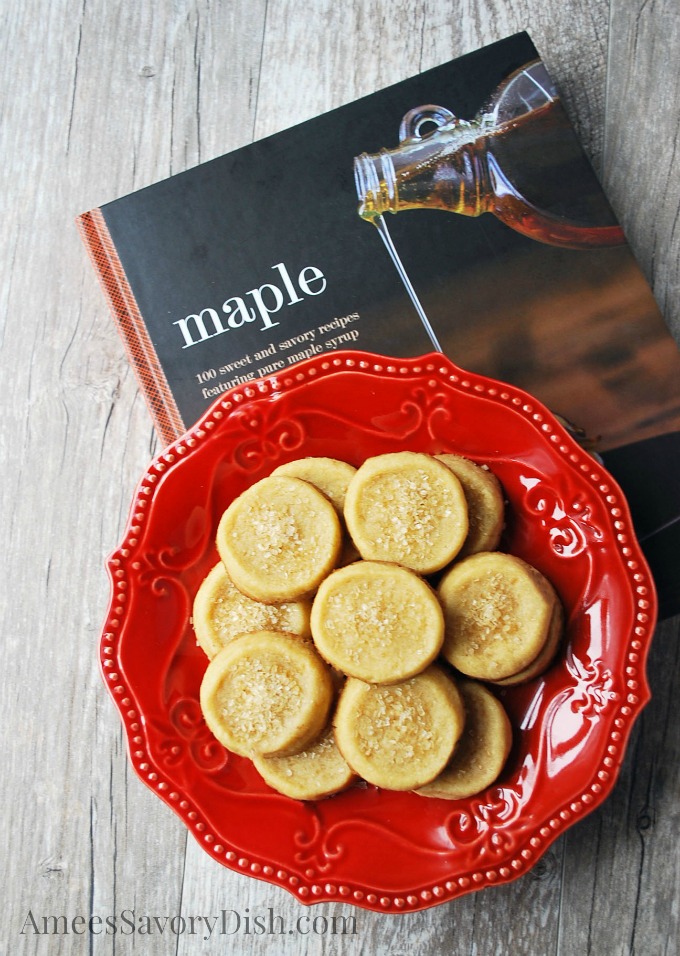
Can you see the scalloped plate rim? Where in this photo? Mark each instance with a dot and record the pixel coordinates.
(310, 892)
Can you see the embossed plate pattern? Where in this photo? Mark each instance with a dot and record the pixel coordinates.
(386, 851)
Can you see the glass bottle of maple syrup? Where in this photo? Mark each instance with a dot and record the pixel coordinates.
(518, 159)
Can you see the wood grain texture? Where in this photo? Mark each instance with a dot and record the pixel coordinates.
(101, 99)
(642, 167)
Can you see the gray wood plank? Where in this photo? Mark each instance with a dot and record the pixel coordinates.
(642, 162)
(104, 99)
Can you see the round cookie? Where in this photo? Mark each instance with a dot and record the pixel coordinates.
(266, 693)
(409, 508)
(376, 621)
(316, 772)
(399, 736)
(485, 504)
(481, 752)
(546, 655)
(329, 475)
(498, 611)
(221, 612)
(332, 477)
(279, 539)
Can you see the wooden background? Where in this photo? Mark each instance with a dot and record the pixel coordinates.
(98, 99)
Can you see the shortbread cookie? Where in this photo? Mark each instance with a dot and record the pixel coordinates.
(329, 475)
(399, 736)
(498, 611)
(377, 621)
(408, 508)
(481, 752)
(221, 612)
(266, 693)
(279, 539)
(317, 771)
(485, 504)
(332, 477)
(546, 656)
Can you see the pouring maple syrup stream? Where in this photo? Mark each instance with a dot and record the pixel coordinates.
(381, 225)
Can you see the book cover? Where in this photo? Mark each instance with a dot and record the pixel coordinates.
(453, 211)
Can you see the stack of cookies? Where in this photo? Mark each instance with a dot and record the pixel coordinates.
(359, 620)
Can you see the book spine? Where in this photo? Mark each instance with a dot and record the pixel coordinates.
(131, 327)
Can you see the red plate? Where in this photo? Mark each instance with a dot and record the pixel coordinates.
(386, 851)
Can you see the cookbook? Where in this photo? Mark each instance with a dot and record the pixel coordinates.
(455, 211)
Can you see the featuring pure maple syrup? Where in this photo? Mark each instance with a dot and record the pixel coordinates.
(519, 159)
